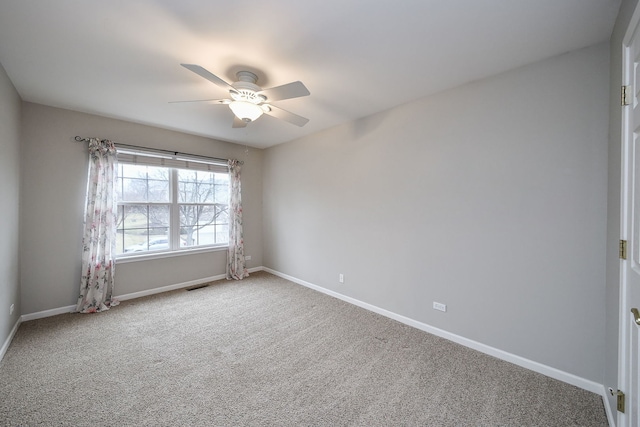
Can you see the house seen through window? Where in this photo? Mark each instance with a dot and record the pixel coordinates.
(164, 208)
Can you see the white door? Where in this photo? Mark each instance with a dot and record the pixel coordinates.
(630, 284)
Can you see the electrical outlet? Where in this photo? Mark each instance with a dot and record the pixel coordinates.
(341, 278)
(11, 308)
(247, 258)
(440, 306)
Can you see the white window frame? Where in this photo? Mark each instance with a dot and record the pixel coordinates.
(172, 162)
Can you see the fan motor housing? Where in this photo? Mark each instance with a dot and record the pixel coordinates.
(249, 95)
(246, 88)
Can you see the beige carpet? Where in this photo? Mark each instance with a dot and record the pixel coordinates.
(261, 352)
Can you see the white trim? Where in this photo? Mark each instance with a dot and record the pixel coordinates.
(72, 308)
(48, 313)
(7, 342)
(178, 286)
(169, 288)
(557, 374)
(124, 259)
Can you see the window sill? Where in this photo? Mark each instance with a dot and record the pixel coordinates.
(169, 254)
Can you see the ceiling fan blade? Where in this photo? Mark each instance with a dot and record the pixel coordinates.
(288, 91)
(286, 116)
(238, 123)
(207, 75)
(212, 101)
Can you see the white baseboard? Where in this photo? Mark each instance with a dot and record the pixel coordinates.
(124, 297)
(178, 286)
(132, 295)
(169, 288)
(48, 313)
(7, 342)
(557, 374)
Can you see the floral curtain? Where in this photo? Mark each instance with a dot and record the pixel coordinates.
(236, 268)
(99, 240)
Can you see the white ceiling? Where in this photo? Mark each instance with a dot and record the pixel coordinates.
(121, 59)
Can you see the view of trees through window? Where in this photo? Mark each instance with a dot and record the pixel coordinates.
(163, 209)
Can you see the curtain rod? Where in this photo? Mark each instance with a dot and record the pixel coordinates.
(175, 153)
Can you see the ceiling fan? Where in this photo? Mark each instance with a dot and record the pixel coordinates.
(249, 101)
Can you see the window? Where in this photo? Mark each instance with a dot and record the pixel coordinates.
(203, 203)
(170, 204)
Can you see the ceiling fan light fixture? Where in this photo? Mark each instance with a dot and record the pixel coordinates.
(248, 101)
(246, 111)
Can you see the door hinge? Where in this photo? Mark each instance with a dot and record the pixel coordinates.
(620, 404)
(622, 252)
(625, 95)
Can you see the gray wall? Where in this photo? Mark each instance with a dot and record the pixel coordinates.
(9, 208)
(613, 214)
(490, 198)
(54, 183)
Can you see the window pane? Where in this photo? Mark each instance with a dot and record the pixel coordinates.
(221, 179)
(133, 171)
(205, 177)
(205, 187)
(159, 216)
(222, 216)
(206, 214)
(196, 186)
(221, 194)
(189, 215)
(159, 239)
(157, 173)
(134, 190)
(199, 224)
(156, 232)
(119, 242)
(143, 184)
(119, 183)
(186, 190)
(206, 193)
(134, 241)
(140, 227)
(158, 191)
(186, 175)
(158, 185)
(133, 216)
(222, 233)
(206, 235)
(120, 217)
